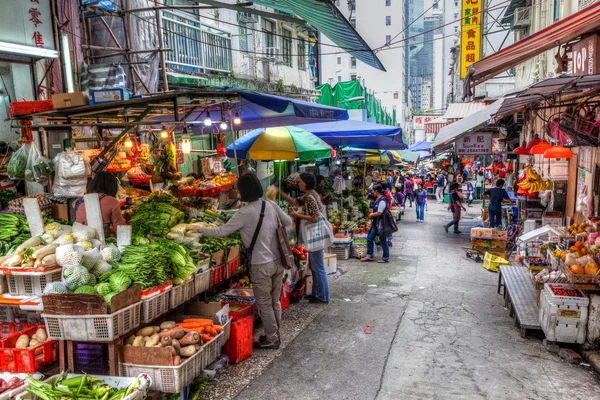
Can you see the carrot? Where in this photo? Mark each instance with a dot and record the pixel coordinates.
(217, 328)
(206, 338)
(197, 330)
(203, 321)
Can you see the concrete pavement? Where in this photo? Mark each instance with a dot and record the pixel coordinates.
(428, 325)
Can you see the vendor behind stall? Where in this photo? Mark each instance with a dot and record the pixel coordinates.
(106, 185)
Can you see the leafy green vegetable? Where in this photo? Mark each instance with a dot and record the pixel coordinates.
(17, 164)
(119, 281)
(103, 288)
(7, 195)
(13, 231)
(86, 290)
(156, 216)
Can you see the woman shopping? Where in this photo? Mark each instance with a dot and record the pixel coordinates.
(311, 209)
(420, 202)
(381, 204)
(455, 207)
(260, 219)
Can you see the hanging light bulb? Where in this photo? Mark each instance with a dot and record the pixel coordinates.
(237, 120)
(207, 120)
(535, 141)
(521, 150)
(223, 125)
(559, 152)
(540, 148)
(186, 144)
(128, 143)
(163, 133)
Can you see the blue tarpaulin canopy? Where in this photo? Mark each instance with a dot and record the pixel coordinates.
(420, 146)
(261, 110)
(358, 134)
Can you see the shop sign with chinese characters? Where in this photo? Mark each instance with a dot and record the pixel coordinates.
(586, 60)
(474, 144)
(420, 120)
(470, 34)
(26, 22)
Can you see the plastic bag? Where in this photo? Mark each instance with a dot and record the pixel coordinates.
(71, 166)
(18, 163)
(39, 168)
(90, 258)
(111, 253)
(68, 192)
(86, 231)
(69, 255)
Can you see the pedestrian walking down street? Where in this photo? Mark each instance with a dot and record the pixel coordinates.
(439, 189)
(470, 191)
(381, 205)
(455, 207)
(388, 196)
(420, 203)
(311, 209)
(408, 190)
(266, 267)
(497, 196)
(479, 180)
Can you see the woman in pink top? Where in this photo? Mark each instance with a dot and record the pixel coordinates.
(106, 185)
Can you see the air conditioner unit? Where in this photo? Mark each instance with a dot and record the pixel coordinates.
(519, 117)
(522, 17)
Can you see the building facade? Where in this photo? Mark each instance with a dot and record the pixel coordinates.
(339, 66)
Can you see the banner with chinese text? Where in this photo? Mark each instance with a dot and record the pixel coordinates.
(474, 144)
(470, 34)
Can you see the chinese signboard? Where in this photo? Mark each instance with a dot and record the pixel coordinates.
(420, 120)
(470, 34)
(26, 22)
(474, 144)
(585, 56)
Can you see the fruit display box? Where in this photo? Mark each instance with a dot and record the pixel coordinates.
(563, 313)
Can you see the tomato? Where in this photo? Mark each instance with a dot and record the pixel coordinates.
(303, 257)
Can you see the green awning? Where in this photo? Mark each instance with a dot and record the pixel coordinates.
(508, 17)
(325, 17)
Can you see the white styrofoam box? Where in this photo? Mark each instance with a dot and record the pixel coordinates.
(13, 391)
(580, 300)
(330, 261)
(530, 225)
(564, 323)
(593, 325)
(559, 170)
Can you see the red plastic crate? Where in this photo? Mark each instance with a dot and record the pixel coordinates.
(9, 328)
(217, 275)
(25, 107)
(239, 345)
(28, 360)
(185, 192)
(209, 192)
(297, 294)
(153, 291)
(233, 266)
(247, 309)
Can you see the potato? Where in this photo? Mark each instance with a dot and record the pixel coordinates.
(147, 331)
(165, 326)
(129, 340)
(41, 335)
(22, 342)
(153, 340)
(138, 341)
(187, 351)
(33, 342)
(156, 329)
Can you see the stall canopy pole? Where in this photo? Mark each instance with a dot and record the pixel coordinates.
(234, 136)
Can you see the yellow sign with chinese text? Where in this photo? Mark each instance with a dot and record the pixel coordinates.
(470, 34)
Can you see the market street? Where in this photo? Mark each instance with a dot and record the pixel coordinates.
(428, 325)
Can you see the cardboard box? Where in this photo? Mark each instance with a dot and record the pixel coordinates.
(499, 234)
(66, 100)
(109, 95)
(234, 252)
(308, 285)
(60, 211)
(481, 233)
(218, 257)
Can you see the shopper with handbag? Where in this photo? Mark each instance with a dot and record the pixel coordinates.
(316, 233)
(259, 223)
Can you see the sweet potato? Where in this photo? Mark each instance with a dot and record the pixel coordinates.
(176, 345)
(187, 351)
(166, 341)
(175, 333)
(190, 338)
(176, 361)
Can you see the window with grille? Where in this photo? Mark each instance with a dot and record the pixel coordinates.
(388, 3)
(353, 62)
(286, 42)
(268, 28)
(301, 54)
(388, 20)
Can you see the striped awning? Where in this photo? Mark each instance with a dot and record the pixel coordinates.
(458, 111)
(325, 17)
(435, 125)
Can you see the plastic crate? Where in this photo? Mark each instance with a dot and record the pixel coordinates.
(91, 358)
(27, 360)
(202, 281)
(17, 388)
(342, 252)
(233, 266)
(114, 381)
(32, 284)
(9, 328)
(9, 341)
(174, 379)
(239, 346)
(297, 294)
(217, 275)
(359, 251)
(155, 306)
(247, 309)
(93, 328)
(182, 293)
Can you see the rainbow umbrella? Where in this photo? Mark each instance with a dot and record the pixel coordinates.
(384, 157)
(280, 143)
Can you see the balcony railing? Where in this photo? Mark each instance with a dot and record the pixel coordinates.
(195, 47)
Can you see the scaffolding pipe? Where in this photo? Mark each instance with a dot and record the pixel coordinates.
(163, 64)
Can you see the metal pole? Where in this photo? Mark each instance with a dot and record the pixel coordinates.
(163, 64)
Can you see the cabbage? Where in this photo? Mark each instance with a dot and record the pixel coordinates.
(86, 289)
(119, 281)
(109, 296)
(91, 280)
(87, 245)
(103, 289)
(90, 258)
(100, 267)
(65, 238)
(79, 277)
(111, 253)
